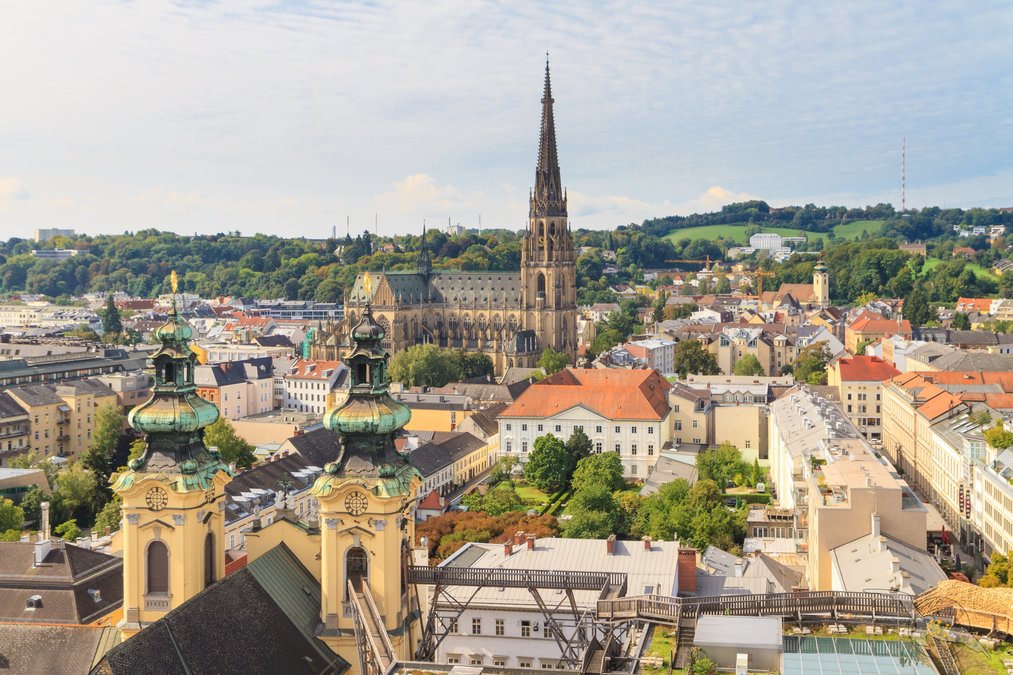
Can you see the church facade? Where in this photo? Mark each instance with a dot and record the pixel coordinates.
(510, 316)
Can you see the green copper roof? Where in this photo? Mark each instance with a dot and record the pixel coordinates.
(175, 413)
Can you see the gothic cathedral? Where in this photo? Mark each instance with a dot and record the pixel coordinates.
(509, 316)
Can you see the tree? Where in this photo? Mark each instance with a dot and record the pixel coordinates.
(496, 501)
(104, 441)
(68, 530)
(811, 363)
(137, 448)
(475, 364)
(998, 571)
(425, 366)
(720, 464)
(550, 465)
(916, 306)
(233, 449)
(503, 469)
(31, 503)
(74, 494)
(748, 365)
(998, 437)
(12, 517)
(595, 513)
(961, 322)
(578, 445)
(691, 357)
(111, 322)
(604, 469)
(110, 515)
(552, 361)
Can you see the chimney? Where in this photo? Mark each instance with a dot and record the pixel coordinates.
(46, 534)
(687, 570)
(610, 544)
(740, 566)
(531, 542)
(647, 543)
(518, 538)
(875, 526)
(508, 548)
(894, 564)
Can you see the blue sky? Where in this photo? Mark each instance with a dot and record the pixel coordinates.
(288, 117)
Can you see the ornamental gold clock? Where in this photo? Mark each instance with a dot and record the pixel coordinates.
(156, 499)
(356, 503)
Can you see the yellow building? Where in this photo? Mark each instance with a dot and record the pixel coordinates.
(436, 412)
(173, 495)
(62, 416)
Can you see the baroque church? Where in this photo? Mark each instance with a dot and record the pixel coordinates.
(509, 316)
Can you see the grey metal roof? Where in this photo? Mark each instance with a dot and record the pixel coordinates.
(747, 632)
(432, 457)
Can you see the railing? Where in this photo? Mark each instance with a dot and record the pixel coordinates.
(835, 603)
(514, 578)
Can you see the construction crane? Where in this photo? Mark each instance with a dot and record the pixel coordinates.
(706, 263)
(759, 274)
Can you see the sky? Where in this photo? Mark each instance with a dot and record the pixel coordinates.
(293, 117)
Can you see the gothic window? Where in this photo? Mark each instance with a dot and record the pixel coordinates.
(541, 285)
(209, 559)
(158, 568)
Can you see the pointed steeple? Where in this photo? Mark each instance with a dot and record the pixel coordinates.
(548, 198)
(424, 264)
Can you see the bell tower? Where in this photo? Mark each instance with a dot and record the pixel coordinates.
(366, 501)
(548, 260)
(173, 494)
(821, 284)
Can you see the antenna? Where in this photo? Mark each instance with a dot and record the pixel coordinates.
(903, 174)
(376, 224)
(348, 226)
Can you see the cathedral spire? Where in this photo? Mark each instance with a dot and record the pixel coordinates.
(548, 198)
(424, 264)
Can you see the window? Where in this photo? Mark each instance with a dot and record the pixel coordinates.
(509, 446)
(849, 395)
(523, 663)
(633, 448)
(650, 431)
(524, 427)
(524, 446)
(678, 425)
(677, 407)
(476, 660)
(453, 659)
(499, 661)
(695, 424)
(597, 430)
(650, 449)
(500, 629)
(541, 427)
(633, 470)
(453, 625)
(209, 559)
(476, 626)
(559, 428)
(748, 443)
(578, 427)
(509, 427)
(597, 446)
(618, 448)
(158, 568)
(696, 440)
(525, 629)
(849, 408)
(619, 430)
(633, 430)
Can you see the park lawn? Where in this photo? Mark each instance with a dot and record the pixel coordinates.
(734, 232)
(855, 229)
(931, 263)
(529, 494)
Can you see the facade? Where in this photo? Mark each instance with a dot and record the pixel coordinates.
(821, 464)
(656, 353)
(312, 386)
(773, 348)
(132, 388)
(436, 412)
(509, 316)
(450, 461)
(62, 416)
(15, 429)
(44, 234)
(506, 628)
(238, 388)
(44, 315)
(623, 411)
(859, 380)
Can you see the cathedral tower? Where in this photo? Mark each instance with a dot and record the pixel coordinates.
(366, 497)
(173, 495)
(548, 270)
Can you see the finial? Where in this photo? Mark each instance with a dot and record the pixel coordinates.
(546, 59)
(174, 282)
(367, 285)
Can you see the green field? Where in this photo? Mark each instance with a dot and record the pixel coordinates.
(737, 231)
(978, 269)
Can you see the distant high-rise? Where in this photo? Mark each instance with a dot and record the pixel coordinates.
(45, 234)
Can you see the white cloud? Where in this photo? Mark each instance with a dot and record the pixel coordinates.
(11, 190)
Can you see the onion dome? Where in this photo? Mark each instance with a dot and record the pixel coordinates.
(367, 330)
(186, 413)
(382, 415)
(175, 330)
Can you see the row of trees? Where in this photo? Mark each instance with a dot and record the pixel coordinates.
(428, 365)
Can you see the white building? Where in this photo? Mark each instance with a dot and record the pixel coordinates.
(504, 627)
(309, 385)
(623, 411)
(656, 353)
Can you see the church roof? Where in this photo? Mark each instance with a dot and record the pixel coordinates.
(498, 289)
(259, 619)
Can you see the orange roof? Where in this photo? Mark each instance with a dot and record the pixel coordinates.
(432, 502)
(864, 324)
(940, 403)
(999, 401)
(865, 369)
(312, 370)
(982, 305)
(613, 394)
(1002, 378)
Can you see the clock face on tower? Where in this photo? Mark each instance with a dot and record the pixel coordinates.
(356, 503)
(156, 499)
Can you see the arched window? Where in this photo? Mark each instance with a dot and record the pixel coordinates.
(356, 565)
(158, 568)
(541, 285)
(209, 559)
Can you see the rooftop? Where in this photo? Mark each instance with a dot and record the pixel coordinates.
(612, 394)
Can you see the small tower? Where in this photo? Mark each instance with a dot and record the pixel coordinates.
(173, 524)
(424, 264)
(821, 284)
(366, 503)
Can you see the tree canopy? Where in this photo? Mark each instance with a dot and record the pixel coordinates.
(748, 365)
(691, 357)
(430, 366)
(550, 465)
(552, 361)
(233, 449)
(811, 363)
(601, 469)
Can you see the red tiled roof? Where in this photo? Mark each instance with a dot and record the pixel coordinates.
(982, 305)
(865, 369)
(886, 326)
(613, 394)
(432, 502)
(312, 370)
